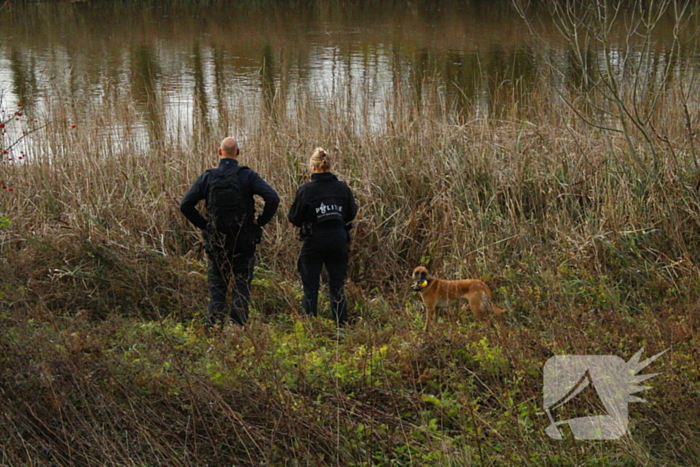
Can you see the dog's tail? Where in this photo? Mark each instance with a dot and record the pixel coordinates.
(488, 303)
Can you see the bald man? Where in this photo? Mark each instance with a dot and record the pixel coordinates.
(230, 229)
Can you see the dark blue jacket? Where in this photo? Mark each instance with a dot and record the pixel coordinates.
(324, 201)
(252, 184)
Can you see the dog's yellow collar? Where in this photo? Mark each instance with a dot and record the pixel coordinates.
(417, 286)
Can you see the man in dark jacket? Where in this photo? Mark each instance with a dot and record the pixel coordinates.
(230, 251)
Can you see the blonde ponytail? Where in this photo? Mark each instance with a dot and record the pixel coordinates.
(320, 160)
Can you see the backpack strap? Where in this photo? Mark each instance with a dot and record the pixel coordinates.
(236, 169)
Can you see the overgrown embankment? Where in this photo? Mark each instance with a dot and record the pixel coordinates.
(593, 250)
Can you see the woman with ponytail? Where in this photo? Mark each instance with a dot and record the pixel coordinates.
(323, 209)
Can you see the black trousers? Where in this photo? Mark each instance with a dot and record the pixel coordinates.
(327, 248)
(230, 259)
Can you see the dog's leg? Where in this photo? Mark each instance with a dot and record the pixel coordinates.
(478, 303)
(430, 312)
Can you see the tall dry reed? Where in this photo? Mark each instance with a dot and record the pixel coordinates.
(588, 249)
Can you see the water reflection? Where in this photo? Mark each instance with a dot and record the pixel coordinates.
(145, 75)
(191, 66)
(201, 107)
(267, 81)
(23, 76)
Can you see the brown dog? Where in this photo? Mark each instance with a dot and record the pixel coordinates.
(440, 293)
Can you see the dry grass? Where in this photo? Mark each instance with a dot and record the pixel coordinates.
(103, 360)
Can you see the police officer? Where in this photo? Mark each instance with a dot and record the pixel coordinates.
(230, 253)
(324, 209)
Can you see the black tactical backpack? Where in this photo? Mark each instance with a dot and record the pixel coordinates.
(225, 204)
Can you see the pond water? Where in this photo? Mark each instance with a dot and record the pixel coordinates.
(172, 66)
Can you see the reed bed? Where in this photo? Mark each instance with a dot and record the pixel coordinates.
(105, 362)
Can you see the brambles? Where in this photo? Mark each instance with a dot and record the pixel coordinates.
(15, 126)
